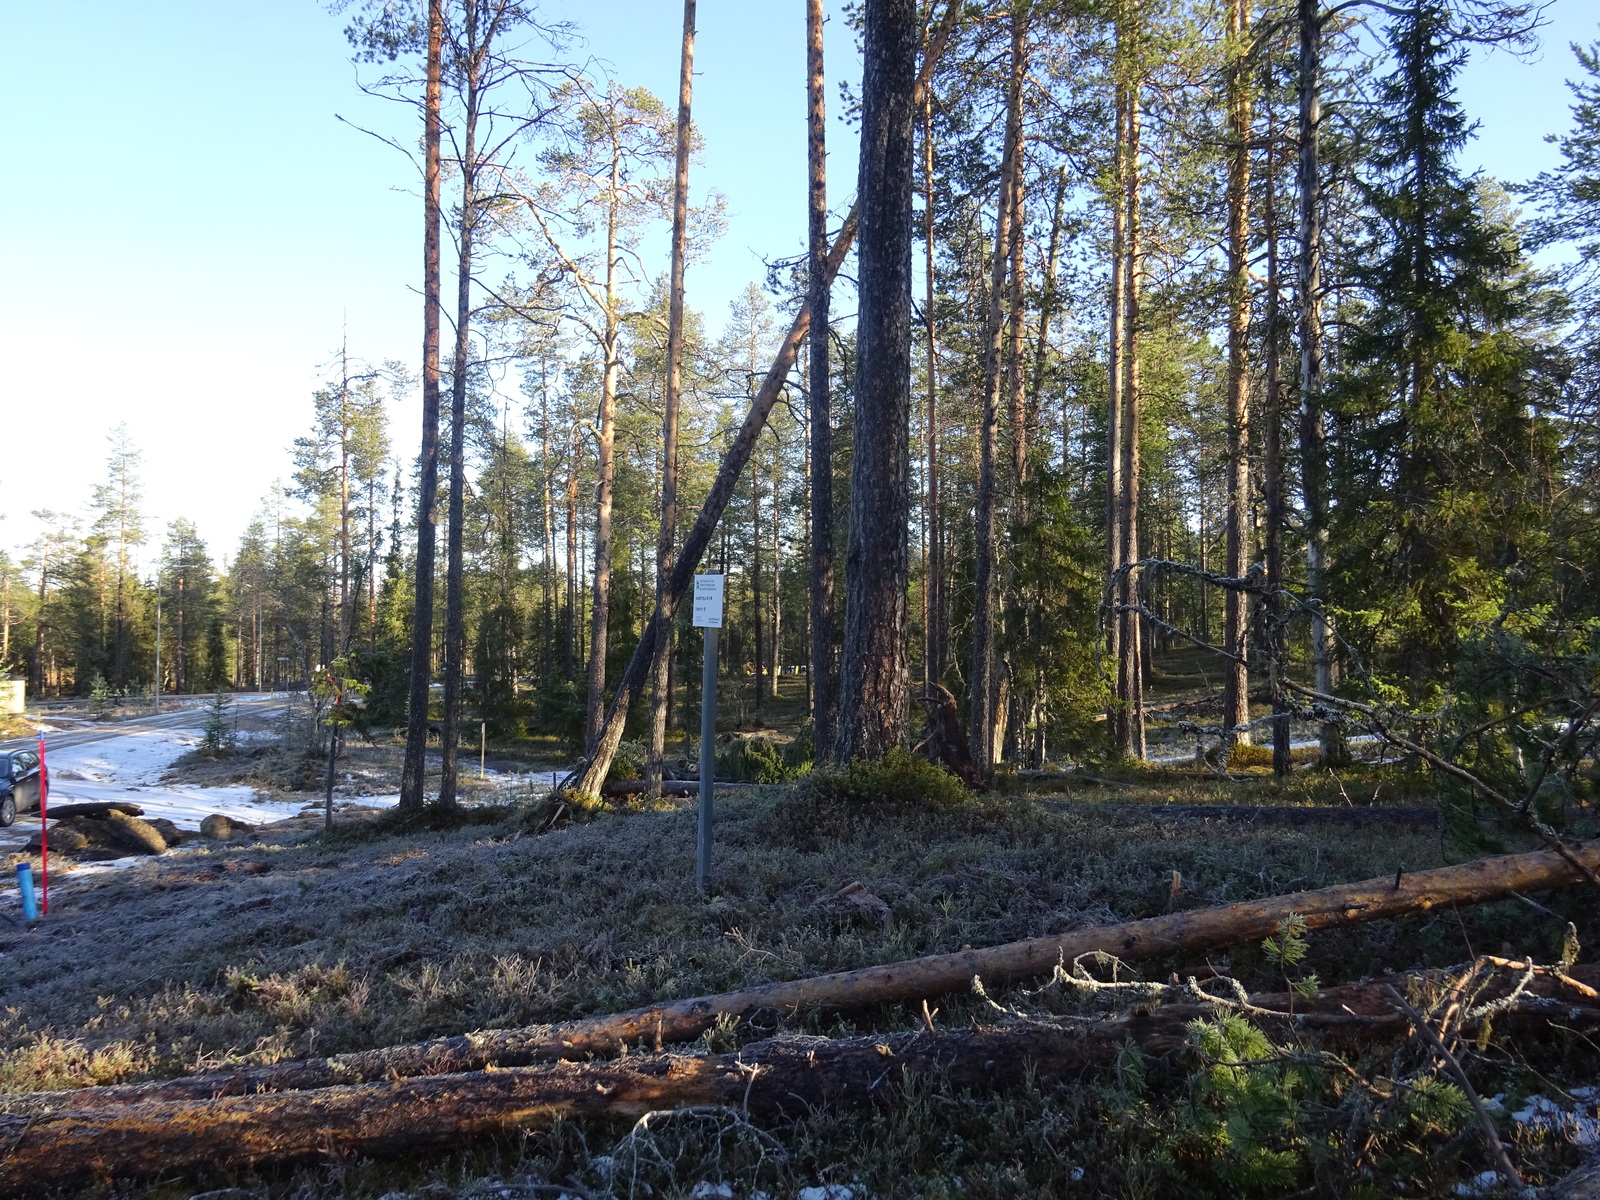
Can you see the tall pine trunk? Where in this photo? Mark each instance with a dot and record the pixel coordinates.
(1118, 299)
(455, 637)
(737, 457)
(411, 779)
(1313, 435)
(821, 407)
(777, 580)
(660, 664)
(1130, 667)
(755, 582)
(982, 714)
(873, 687)
(600, 601)
(1272, 476)
(933, 588)
(1236, 687)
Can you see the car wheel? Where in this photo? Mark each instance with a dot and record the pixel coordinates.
(8, 811)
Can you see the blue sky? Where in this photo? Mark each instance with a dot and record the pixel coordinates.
(187, 227)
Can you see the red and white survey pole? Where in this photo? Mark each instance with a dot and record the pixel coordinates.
(44, 829)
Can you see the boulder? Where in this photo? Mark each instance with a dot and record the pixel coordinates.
(136, 833)
(63, 840)
(169, 832)
(80, 835)
(220, 828)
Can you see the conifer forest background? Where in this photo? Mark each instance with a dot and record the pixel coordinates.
(1212, 340)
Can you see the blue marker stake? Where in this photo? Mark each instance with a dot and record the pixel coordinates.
(30, 903)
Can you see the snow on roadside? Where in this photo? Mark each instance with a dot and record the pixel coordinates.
(129, 768)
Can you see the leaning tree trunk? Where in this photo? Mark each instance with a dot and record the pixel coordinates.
(593, 772)
(1236, 687)
(822, 674)
(873, 691)
(411, 778)
(660, 663)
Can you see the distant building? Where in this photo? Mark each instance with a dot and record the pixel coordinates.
(13, 696)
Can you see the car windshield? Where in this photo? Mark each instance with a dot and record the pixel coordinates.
(22, 762)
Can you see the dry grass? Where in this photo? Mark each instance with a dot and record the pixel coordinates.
(380, 934)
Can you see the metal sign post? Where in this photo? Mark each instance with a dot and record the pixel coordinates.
(707, 616)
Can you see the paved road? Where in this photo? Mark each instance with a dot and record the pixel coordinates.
(188, 717)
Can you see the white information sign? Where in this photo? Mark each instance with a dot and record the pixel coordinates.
(708, 601)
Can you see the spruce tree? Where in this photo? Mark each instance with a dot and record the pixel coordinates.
(1435, 440)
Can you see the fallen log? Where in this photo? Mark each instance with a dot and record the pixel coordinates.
(669, 787)
(1414, 817)
(1582, 1184)
(915, 979)
(93, 808)
(55, 1142)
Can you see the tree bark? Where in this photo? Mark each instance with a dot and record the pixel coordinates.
(1130, 672)
(754, 561)
(1017, 298)
(593, 772)
(1475, 882)
(455, 630)
(55, 1144)
(1272, 481)
(1582, 1184)
(776, 481)
(873, 687)
(982, 709)
(411, 779)
(1236, 604)
(660, 673)
(1313, 435)
(933, 586)
(1118, 297)
(606, 445)
(819, 279)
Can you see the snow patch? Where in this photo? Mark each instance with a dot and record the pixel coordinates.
(1579, 1125)
(129, 768)
(1480, 1184)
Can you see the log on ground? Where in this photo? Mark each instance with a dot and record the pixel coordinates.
(1284, 814)
(657, 1025)
(55, 1143)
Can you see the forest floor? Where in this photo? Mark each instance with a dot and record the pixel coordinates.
(301, 942)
